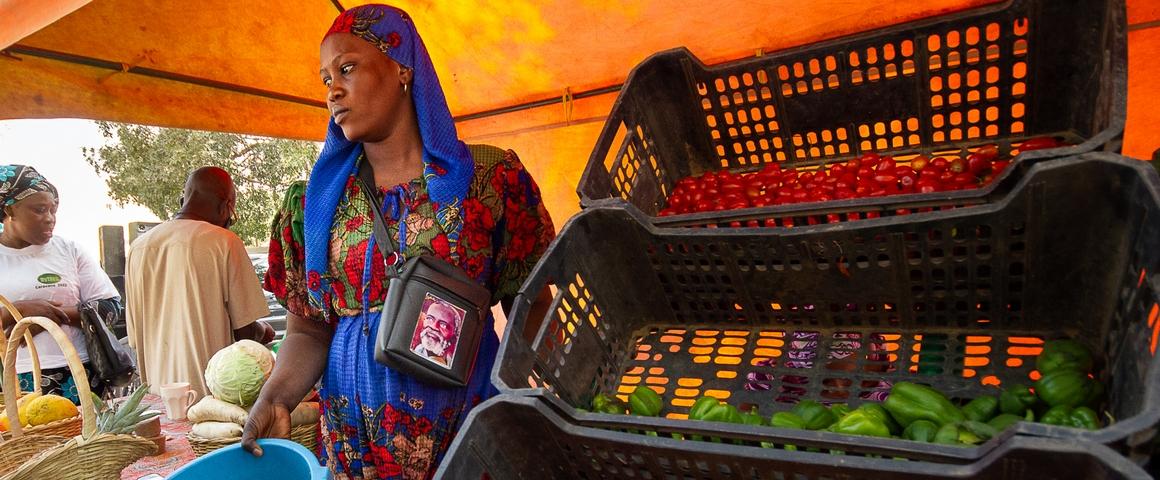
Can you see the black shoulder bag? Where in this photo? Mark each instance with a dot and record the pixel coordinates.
(432, 320)
(111, 361)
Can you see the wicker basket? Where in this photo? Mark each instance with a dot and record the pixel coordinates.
(90, 456)
(305, 435)
(69, 427)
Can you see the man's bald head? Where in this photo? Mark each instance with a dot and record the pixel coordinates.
(209, 194)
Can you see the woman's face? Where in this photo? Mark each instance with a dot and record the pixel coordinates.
(31, 220)
(364, 88)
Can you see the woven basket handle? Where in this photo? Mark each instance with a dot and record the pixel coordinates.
(31, 347)
(88, 414)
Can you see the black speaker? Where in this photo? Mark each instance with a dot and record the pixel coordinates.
(113, 249)
(136, 229)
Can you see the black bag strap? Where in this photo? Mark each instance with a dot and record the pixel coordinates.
(382, 237)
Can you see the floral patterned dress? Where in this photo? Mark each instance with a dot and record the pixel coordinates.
(379, 423)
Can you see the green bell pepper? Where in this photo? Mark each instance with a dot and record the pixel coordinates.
(815, 415)
(723, 412)
(1058, 415)
(839, 410)
(947, 434)
(981, 409)
(751, 417)
(880, 412)
(603, 403)
(787, 420)
(1016, 399)
(910, 401)
(1070, 388)
(645, 402)
(979, 430)
(967, 437)
(1004, 421)
(1064, 355)
(1085, 418)
(1064, 416)
(920, 431)
(702, 406)
(861, 422)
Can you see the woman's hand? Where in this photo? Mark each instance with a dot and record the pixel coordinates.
(267, 420)
(37, 308)
(301, 360)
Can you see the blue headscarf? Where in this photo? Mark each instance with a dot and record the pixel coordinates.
(447, 164)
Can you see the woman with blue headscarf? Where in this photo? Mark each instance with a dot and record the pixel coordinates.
(472, 206)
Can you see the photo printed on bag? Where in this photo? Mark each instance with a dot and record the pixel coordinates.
(437, 331)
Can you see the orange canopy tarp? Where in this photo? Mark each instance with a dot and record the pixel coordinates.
(233, 66)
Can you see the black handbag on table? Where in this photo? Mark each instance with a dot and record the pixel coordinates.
(432, 320)
(111, 361)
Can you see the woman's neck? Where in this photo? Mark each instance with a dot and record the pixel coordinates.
(396, 159)
(11, 241)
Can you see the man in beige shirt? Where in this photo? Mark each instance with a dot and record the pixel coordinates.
(190, 287)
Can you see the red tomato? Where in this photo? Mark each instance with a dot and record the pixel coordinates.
(999, 166)
(965, 180)
(732, 186)
(926, 186)
(886, 164)
(937, 165)
(753, 191)
(978, 164)
(958, 165)
(907, 183)
(901, 172)
(1038, 143)
(919, 162)
(987, 152)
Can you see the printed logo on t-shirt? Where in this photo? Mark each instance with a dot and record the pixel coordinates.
(49, 279)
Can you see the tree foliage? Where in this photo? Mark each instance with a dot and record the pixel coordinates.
(148, 166)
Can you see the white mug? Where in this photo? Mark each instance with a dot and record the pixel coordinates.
(177, 397)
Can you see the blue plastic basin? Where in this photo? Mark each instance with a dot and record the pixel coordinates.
(282, 459)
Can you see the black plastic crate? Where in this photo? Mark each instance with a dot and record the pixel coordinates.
(998, 74)
(511, 437)
(837, 313)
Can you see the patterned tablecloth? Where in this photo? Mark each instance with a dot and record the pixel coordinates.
(177, 450)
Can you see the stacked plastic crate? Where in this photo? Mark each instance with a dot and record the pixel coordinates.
(959, 293)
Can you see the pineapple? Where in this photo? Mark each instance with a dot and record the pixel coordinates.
(123, 418)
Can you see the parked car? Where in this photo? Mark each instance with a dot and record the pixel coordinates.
(277, 317)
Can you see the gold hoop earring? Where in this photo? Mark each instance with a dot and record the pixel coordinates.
(406, 88)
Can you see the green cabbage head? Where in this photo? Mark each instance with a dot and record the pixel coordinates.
(235, 374)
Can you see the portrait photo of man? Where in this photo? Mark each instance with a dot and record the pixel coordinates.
(437, 331)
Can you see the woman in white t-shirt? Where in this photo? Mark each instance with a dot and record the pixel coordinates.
(45, 275)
